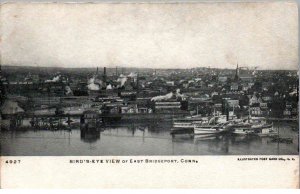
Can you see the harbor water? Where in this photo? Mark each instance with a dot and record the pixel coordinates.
(147, 138)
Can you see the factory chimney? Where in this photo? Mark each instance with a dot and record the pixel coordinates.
(104, 75)
(236, 78)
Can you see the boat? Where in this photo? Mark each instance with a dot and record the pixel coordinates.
(253, 125)
(265, 130)
(198, 125)
(210, 129)
(243, 131)
(240, 128)
(257, 121)
(260, 127)
(214, 125)
(205, 137)
(187, 124)
(183, 124)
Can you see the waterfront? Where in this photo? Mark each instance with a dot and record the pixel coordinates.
(148, 138)
(67, 112)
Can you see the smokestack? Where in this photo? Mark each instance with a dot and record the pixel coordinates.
(116, 71)
(97, 71)
(104, 75)
(237, 72)
(137, 82)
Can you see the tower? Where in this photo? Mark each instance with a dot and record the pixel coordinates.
(104, 78)
(137, 81)
(104, 74)
(236, 77)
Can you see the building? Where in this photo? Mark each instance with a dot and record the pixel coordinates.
(222, 79)
(11, 115)
(234, 86)
(255, 111)
(167, 106)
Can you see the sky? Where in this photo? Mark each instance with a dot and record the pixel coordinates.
(156, 35)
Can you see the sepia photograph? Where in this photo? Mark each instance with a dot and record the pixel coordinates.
(149, 79)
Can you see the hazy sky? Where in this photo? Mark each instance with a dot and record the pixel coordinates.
(157, 35)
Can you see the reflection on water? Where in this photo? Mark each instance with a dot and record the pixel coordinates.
(90, 136)
(140, 139)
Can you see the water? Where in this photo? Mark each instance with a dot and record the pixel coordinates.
(140, 139)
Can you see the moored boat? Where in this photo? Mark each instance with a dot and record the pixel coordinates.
(187, 124)
(210, 129)
(265, 130)
(243, 131)
(206, 137)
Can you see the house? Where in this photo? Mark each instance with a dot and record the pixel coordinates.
(250, 84)
(255, 111)
(211, 85)
(11, 108)
(142, 110)
(234, 87)
(170, 83)
(287, 112)
(294, 112)
(233, 103)
(129, 109)
(266, 85)
(218, 108)
(253, 100)
(11, 114)
(246, 78)
(263, 105)
(214, 94)
(266, 98)
(222, 79)
(246, 88)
